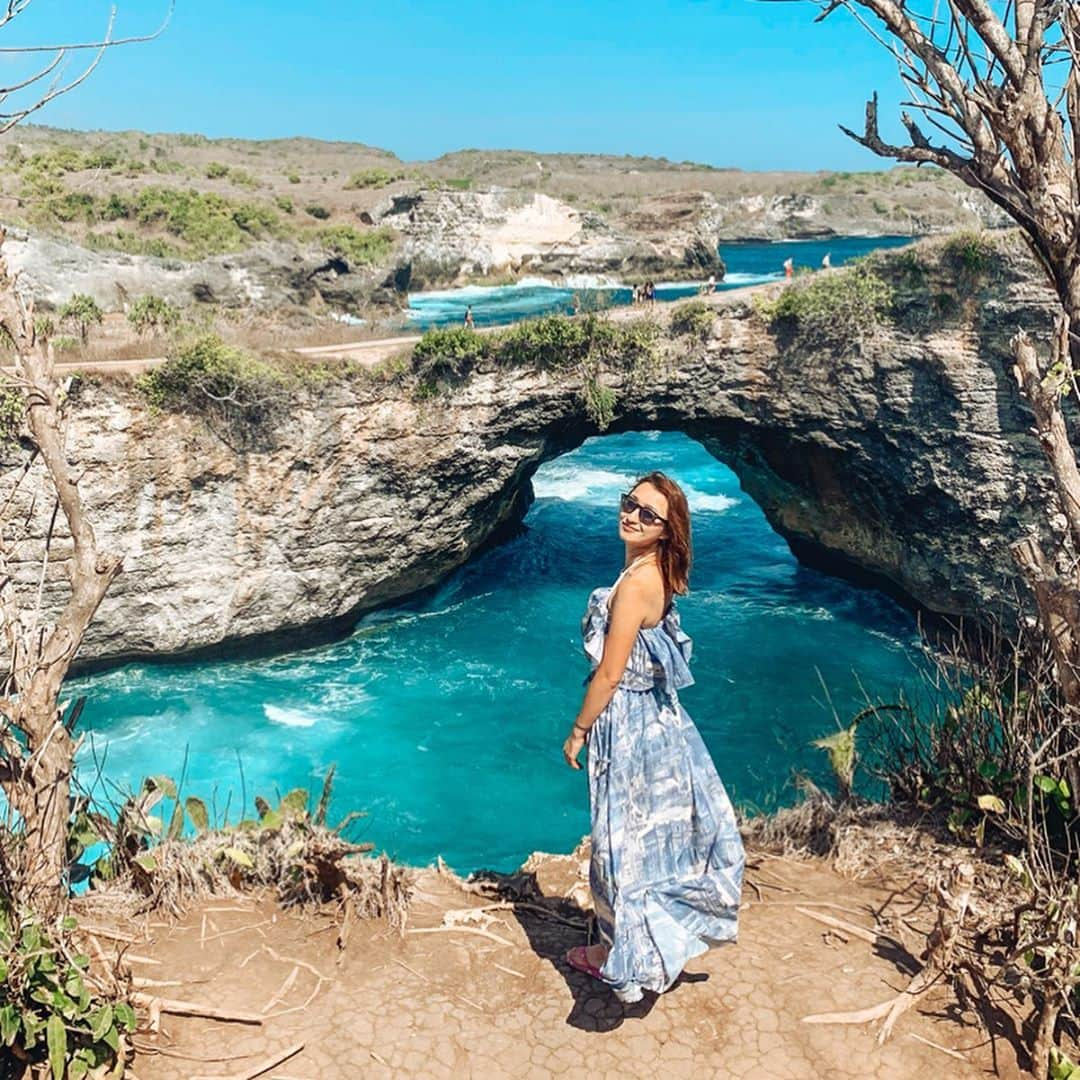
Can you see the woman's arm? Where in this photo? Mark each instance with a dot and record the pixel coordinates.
(628, 612)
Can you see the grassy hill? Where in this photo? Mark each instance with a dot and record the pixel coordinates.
(187, 196)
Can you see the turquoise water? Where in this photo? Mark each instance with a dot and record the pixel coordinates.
(446, 717)
(747, 264)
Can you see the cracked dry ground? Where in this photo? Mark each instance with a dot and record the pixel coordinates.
(459, 1004)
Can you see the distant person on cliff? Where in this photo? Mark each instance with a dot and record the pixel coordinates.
(826, 262)
(667, 860)
(789, 266)
(650, 293)
(469, 323)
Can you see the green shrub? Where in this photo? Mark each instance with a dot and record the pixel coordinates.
(12, 410)
(82, 312)
(206, 223)
(63, 343)
(448, 353)
(216, 170)
(284, 204)
(357, 246)
(238, 394)
(372, 178)
(51, 1015)
(242, 178)
(969, 254)
(317, 211)
(153, 313)
(293, 178)
(837, 310)
(693, 319)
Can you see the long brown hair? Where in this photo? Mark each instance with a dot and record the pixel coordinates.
(674, 554)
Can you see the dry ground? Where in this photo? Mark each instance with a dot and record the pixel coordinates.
(458, 1003)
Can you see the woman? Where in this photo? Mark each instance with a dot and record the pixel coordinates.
(667, 860)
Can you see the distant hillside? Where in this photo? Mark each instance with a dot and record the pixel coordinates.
(188, 196)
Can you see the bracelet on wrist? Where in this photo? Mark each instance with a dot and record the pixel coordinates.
(578, 727)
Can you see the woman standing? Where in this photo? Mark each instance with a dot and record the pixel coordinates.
(667, 860)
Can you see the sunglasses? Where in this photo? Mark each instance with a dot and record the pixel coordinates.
(628, 504)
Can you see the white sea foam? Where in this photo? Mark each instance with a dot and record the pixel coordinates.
(752, 279)
(700, 501)
(288, 717)
(572, 483)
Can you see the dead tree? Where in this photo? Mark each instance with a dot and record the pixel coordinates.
(995, 100)
(37, 747)
(987, 82)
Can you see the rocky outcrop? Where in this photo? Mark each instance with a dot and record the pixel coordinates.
(268, 275)
(807, 216)
(907, 461)
(451, 236)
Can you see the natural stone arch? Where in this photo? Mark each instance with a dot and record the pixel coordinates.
(907, 462)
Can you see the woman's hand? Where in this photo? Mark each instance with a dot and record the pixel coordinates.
(573, 746)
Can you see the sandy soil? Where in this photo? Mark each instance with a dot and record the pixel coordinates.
(458, 1003)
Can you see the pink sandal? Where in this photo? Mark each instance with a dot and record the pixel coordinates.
(578, 959)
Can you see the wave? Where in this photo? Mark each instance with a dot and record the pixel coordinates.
(288, 717)
(572, 483)
(700, 501)
(742, 278)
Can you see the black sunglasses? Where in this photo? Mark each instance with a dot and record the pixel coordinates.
(628, 504)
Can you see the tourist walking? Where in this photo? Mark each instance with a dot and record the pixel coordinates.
(789, 267)
(667, 860)
(469, 323)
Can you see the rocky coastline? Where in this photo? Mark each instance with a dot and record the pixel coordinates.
(907, 462)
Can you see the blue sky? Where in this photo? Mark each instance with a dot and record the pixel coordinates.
(755, 85)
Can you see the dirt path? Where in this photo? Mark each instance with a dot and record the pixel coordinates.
(460, 1004)
(374, 351)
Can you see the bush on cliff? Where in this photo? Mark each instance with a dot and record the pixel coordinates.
(838, 310)
(238, 394)
(694, 319)
(358, 247)
(447, 353)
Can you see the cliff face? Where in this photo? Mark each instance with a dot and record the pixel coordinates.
(907, 461)
(453, 235)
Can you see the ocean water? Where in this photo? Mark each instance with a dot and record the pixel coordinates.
(747, 264)
(445, 717)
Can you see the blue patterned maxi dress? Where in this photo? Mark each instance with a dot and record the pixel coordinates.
(667, 859)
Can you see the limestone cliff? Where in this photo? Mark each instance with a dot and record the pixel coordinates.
(907, 460)
(450, 235)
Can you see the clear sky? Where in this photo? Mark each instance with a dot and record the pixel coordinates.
(743, 83)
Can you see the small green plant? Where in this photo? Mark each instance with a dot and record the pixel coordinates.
(216, 170)
(293, 178)
(284, 204)
(969, 254)
(153, 313)
(44, 327)
(242, 178)
(371, 178)
(316, 211)
(12, 410)
(52, 1017)
(599, 401)
(82, 312)
(837, 310)
(448, 353)
(358, 246)
(63, 343)
(693, 319)
(237, 393)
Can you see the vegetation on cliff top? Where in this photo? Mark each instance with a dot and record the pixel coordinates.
(588, 345)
